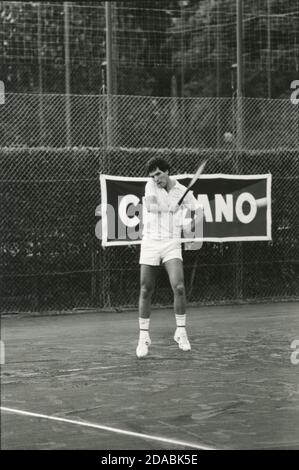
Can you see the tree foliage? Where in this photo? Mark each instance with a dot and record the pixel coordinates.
(191, 40)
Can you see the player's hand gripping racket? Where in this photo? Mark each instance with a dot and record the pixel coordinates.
(193, 181)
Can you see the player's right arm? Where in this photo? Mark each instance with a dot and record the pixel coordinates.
(151, 201)
(151, 204)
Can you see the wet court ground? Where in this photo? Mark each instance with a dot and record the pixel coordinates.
(236, 389)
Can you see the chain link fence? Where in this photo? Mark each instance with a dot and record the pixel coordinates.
(52, 150)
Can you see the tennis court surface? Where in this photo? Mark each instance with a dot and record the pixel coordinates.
(237, 389)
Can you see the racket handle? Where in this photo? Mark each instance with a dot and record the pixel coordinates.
(182, 198)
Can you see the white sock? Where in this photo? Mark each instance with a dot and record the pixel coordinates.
(144, 327)
(180, 321)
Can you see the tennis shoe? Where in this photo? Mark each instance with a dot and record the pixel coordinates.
(181, 338)
(142, 347)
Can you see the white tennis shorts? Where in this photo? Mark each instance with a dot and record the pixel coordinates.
(152, 252)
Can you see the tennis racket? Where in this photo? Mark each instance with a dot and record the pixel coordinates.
(193, 181)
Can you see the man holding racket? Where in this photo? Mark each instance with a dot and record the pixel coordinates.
(161, 242)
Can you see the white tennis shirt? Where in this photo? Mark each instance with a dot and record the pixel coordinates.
(166, 225)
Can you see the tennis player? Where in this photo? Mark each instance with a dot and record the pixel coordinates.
(161, 243)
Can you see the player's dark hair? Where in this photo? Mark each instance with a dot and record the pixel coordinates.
(156, 162)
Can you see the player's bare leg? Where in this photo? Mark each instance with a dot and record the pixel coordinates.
(174, 268)
(147, 285)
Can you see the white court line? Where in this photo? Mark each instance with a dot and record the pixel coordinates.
(108, 428)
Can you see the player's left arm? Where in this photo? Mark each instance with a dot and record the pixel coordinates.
(197, 209)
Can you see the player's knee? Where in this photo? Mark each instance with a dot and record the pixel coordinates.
(179, 289)
(146, 291)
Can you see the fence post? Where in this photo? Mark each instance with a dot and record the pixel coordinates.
(107, 146)
(239, 137)
(109, 72)
(67, 73)
(93, 273)
(40, 75)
